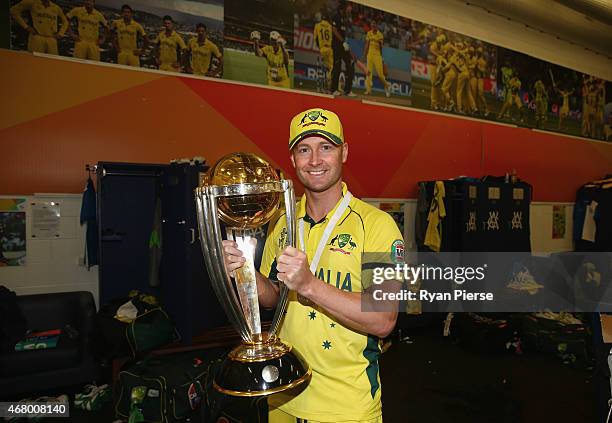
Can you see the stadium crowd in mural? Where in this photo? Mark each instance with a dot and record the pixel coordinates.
(334, 47)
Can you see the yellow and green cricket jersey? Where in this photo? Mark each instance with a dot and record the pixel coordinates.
(324, 33)
(44, 18)
(127, 35)
(376, 41)
(201, 55)
(89, 23)
(276, 63)
(168, 45)
(345, 382)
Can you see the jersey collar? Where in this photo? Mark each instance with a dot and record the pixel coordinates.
(301, 209)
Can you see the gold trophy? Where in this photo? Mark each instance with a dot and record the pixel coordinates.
(244, 191)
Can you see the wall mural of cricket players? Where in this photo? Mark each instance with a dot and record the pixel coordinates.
(259, 42)
(452, 72)
(179, 36)
(344, 48)
(540, 95)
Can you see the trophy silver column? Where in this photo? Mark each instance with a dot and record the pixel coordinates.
(244, 191)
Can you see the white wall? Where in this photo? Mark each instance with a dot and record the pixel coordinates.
(53, 265)
(472, 21)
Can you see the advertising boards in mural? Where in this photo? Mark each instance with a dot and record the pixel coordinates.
(344, 48)
(259, 42)
(179, 36)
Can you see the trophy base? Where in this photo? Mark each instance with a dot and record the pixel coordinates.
(261, 369)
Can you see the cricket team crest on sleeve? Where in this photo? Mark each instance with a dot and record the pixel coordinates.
(397, 251)
(342, 243)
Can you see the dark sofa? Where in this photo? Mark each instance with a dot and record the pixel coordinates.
(70, 363)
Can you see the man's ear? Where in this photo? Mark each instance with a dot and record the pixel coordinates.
(292, 159)
(344, 152)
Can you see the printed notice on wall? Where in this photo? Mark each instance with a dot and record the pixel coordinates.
(45, 219)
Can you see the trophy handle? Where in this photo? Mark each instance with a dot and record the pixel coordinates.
(210, 237)
(291, 240)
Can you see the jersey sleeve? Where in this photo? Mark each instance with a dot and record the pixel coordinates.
(18, 9)
(102, 19)
(72, 13)
(383, 246)
(141, 30)
(156, 40)
(180, 42)
(216, 51)
(63, 21)
(266, 51)
(271, 248)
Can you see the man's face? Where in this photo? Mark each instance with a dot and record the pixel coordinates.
(318, 162)
(168, 24)
(201, 32)
(374, 25)
(89, 4)
(127, 14)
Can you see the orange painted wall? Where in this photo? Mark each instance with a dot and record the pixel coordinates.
(56, 115)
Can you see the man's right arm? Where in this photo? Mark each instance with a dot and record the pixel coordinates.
(17, 11)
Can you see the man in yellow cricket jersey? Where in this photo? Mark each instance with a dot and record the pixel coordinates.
(43, 31)
(127, 31)
(512, 98)
(541, 103)
(169, 47)
(463, 80)
(324, 319)
(277, 58)
(450, 71)
(202, 50)
(564, 110)
(480, 72)
(435, 49)
(323, 37)
(373, 54)
(87, 40)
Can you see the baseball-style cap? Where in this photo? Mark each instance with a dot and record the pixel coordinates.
(316, 122)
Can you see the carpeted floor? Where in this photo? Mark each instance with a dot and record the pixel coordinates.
(429, 379)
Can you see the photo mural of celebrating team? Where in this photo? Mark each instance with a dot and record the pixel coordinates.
(180, 36)
(334, 47)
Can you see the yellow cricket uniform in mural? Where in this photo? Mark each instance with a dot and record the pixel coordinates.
(277, 73)
(481, 71)
(44, 23)
(201, 55)
(541, 101)
(89, 32)
(127, 38)
(435, 48)
(324, 35)
(168, 56)
(345, 381)
(375, 59)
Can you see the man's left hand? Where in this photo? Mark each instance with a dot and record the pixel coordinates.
(294, 271)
